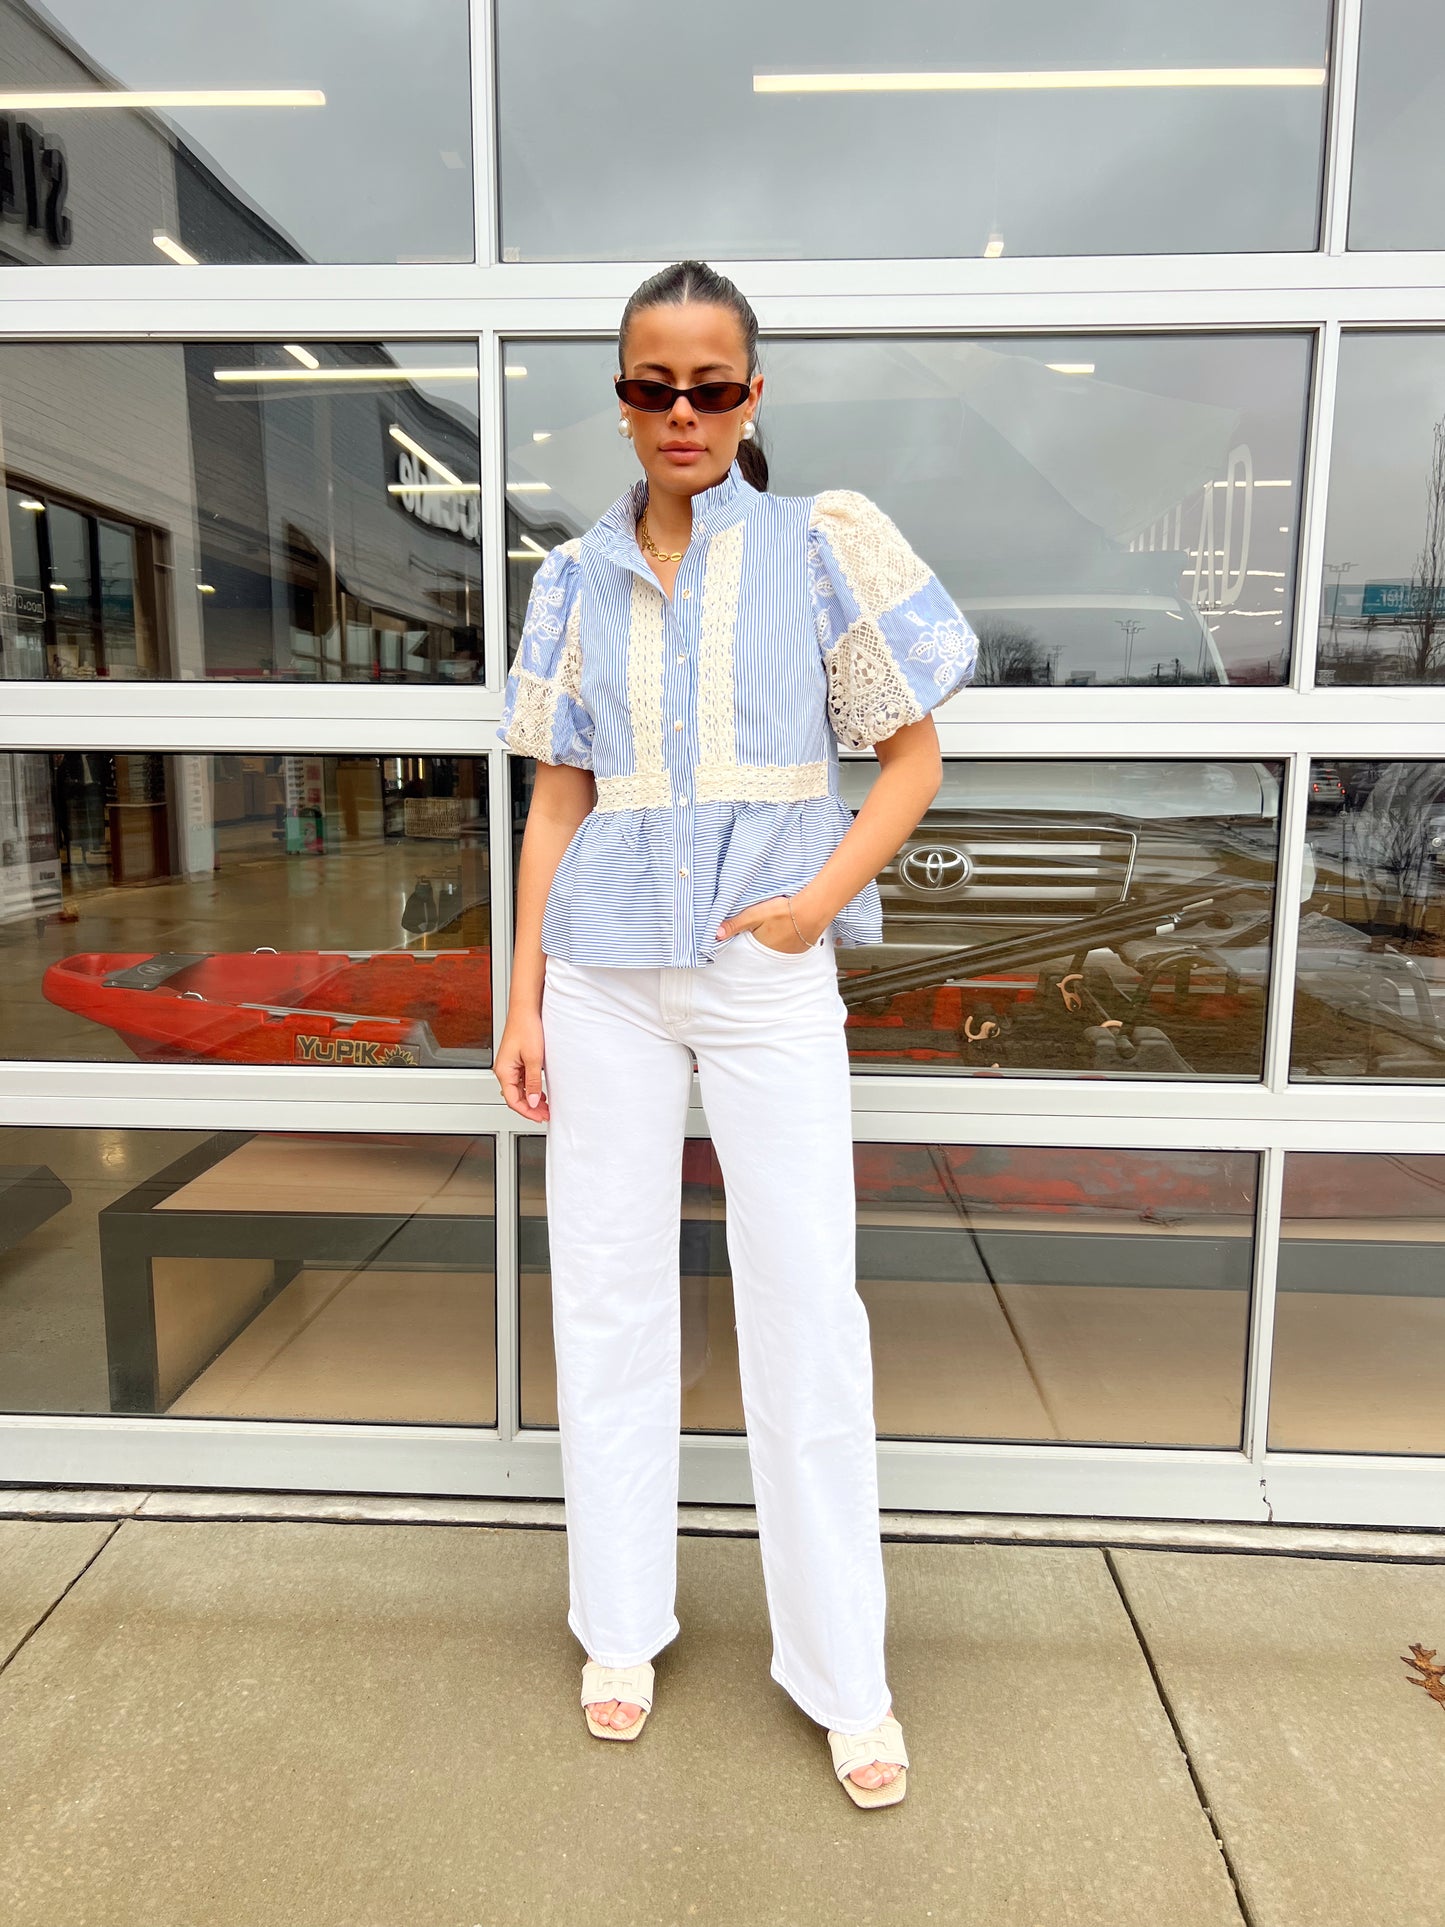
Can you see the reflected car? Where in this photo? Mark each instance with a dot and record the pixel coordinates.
(1107, 916)
(1327, 790)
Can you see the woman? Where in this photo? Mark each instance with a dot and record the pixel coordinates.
(686, 671)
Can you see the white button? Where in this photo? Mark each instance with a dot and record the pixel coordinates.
(678, 723)
(682, 802)
(682, 873)
(682, 658)
(685, 594)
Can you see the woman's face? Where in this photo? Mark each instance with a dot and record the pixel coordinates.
(683, 451)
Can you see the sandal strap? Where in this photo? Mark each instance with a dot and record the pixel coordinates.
(630, 1684)
(881, 1745)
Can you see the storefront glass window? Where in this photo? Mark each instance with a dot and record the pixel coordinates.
(231, 909)
(1068, 1296)
(1359, 1328)
(1370, 983)
(165, 132)
(1105, 509)
(923, 131)
(1069, 918)
(1382, 607)
(248, 1275)
(1397, 190)
(290, 513)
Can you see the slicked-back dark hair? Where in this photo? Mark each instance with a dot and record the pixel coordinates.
(696, 281)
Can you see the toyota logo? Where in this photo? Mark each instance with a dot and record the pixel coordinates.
(933, 869)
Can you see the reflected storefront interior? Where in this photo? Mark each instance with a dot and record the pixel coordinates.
(1148, 1069)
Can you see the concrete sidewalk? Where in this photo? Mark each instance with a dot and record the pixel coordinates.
(301, 1724)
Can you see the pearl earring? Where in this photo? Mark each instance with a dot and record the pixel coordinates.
(749, 429)
(624, 427)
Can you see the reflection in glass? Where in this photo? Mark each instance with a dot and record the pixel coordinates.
(1382, 607)
(235, 909)
(259, 131)
(1370, 982)
(278, 519)
(1359, 1335)
(232, 1274)
(924, 131)
(1397, 184)
(1099, 918)
(1105, 509)
(1012, 1293)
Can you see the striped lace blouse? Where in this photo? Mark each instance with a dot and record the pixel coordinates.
(711, 720)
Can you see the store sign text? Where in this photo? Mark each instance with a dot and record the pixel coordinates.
(33, 180)
(460, 514)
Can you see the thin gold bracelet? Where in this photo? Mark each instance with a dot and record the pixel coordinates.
(789, 902)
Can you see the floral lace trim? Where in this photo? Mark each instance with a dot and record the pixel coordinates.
(722, 588)
(569, 667)
(876, 561)
(645, 646)
(760, 782)
(644, 790)
(529, 732)
(868, 695)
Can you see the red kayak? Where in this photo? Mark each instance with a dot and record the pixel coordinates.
(348, 1007)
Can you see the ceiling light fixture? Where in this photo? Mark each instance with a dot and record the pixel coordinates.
(399, 434)
(169, 245)
(1029, 80)
(303, 355)
(48, 101)
(399, 376)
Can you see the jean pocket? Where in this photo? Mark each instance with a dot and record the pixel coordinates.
(784, 956)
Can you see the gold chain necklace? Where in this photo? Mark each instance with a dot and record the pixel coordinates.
(663, 555)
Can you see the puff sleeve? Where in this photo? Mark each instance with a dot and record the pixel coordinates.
(542, 710)
(894, 642)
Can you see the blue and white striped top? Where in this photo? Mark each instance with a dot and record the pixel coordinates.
(711, 720)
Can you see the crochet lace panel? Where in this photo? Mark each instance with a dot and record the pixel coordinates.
(644, 790)
(530, 731)
(569, 668)
(877, 563)
(868, 695)
(760, 782)
(722, 587)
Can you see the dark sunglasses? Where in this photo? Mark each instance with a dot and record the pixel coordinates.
(708, 398)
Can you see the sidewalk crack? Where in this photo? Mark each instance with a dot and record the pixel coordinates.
(1226, 1857)
(26, 1637)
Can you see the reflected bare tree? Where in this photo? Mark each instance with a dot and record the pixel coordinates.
(1010, 655)
(1386, 844)
(1424, 620)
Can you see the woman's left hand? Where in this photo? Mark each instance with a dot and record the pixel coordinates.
(772, 924)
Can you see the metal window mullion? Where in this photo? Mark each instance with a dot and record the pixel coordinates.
(1314, 510)
(482, 43)
(1264, 1277)
(1340, 131)
(508, 1285)
(1284, 947)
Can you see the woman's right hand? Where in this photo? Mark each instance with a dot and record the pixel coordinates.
(518, 1064)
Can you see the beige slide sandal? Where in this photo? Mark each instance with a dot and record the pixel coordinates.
(632, 1685)
(881, 1746)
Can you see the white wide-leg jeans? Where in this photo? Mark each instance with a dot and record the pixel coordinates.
(766, 1027)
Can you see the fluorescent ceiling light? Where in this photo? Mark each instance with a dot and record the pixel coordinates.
(61, 588)
(29, 503)
(168, 245)
(42, 100)
(530, 488)
(303, 355)
(438, 468)
(514, 371)
(1025, 79)
(205, 588)
(433, 488)
(541, 434)
(1071, 367)
(398, 375)
(994, 246)
(1240, 482)
(533, 551)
